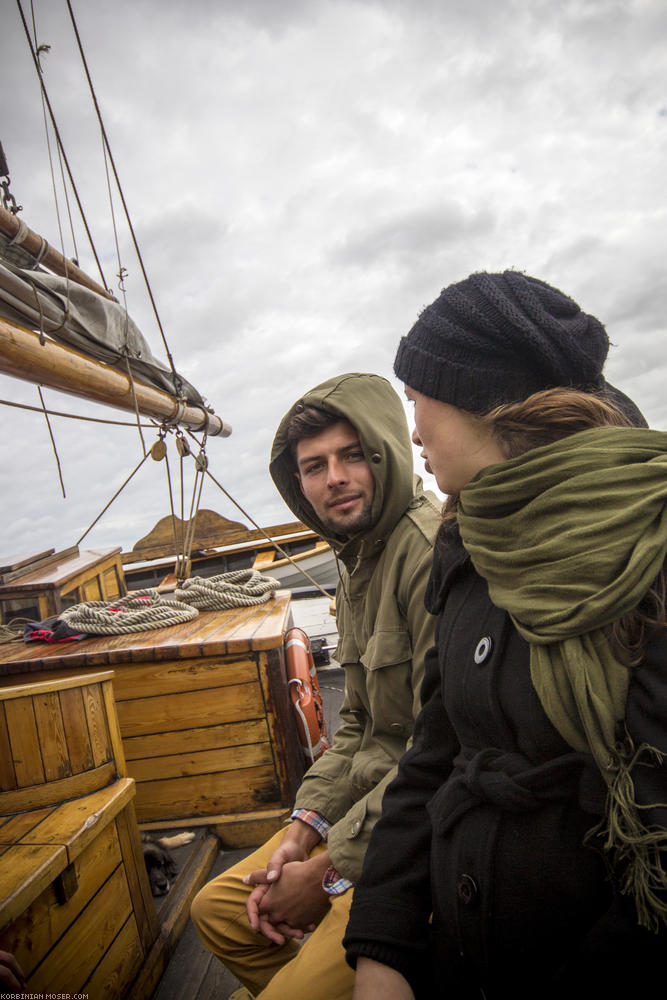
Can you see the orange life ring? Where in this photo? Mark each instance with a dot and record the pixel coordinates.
(305, 694)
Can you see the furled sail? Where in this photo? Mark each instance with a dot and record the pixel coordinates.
(97, 326)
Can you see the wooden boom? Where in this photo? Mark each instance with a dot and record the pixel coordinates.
(24, 356)
(36, 245)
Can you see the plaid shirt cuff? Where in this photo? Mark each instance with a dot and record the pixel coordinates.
(313, 819)
(332, 883)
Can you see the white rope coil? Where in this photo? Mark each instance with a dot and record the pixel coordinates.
(138, 612)
(240, 588)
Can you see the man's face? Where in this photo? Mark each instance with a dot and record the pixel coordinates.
(336, 479)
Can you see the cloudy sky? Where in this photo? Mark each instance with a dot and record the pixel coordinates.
(303, 178)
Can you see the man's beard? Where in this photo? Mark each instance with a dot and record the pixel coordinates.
(356, 526)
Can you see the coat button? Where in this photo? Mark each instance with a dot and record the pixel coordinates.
(466, 889)
(355, 827)
(483, 649)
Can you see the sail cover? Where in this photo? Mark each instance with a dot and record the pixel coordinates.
(92, 324)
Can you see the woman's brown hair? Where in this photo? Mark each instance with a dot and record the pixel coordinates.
(542, 419)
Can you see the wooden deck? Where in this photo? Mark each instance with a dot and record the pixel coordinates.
(193, 972)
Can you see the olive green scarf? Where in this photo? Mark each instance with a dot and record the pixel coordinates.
(570, 537)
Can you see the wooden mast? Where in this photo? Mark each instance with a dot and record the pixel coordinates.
(24, 356)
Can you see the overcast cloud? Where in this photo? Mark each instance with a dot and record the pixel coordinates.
(303, 178)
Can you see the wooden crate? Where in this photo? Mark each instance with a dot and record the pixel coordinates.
(75, 903)
(207, 726)
(59, 581)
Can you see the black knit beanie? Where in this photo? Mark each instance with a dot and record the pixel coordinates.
(498, 338)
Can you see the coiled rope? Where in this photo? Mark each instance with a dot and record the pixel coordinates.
(13, 630)
(239, 588)
(143, 610)
(138, 612)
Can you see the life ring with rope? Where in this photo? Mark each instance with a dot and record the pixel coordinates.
(305, 694)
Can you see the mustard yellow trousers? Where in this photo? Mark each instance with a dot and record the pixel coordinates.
(314, 969)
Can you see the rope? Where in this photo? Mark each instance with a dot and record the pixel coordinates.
(71, 416)
(13, 630)
(138, 612)
(59, 141)
(143, 610)
(105, 509)
(53, 441)
(240, 588)
(135, 242)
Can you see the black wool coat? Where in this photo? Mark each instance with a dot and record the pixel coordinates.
(480, 879)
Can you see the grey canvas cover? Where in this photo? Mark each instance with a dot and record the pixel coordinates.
(96, 326)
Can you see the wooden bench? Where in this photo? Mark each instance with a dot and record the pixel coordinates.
(75, 903)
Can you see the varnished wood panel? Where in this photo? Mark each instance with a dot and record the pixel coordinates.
(72, 962)
(111, 586)
(174, 676)
(25, 871)
(97, 726)
(193, 740)
(119, 966)
(76, 729)
(204, 762)
(30, 937)
(51, 732)
(137, 877)
(76, 824)
(165, 713)
(249, 829)
(7, 772)
(115, 738)
(90, 590)
(208, 794)
(15, 827)
(24, 741)
(53, 792)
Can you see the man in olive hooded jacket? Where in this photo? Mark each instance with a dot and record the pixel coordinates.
(342, 461)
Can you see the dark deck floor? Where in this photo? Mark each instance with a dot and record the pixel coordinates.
(193, 972)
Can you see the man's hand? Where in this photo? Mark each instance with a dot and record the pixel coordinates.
(374, 980)
(296, 845)
(296, 903)
(299, 840)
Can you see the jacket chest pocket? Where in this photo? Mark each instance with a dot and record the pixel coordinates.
(387, 660)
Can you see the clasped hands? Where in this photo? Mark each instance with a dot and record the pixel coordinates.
(288, 900)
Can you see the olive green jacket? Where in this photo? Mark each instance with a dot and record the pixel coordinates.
(383, 627)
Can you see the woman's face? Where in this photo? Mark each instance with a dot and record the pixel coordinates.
(455, 444)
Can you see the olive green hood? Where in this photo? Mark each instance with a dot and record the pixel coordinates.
(374, 408)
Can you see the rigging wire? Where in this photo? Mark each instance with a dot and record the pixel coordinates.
(71, 416)
(122, 198)
(118, 491)
(39, 49)
(53, 441)
(262, 531)
(60, 143)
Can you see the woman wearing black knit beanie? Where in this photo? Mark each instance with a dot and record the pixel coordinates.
(522, 849)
